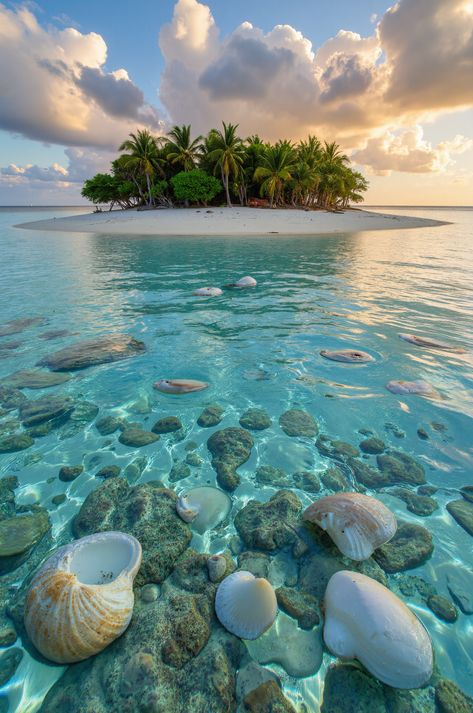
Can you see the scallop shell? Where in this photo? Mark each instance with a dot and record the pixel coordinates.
(350, 356)
(217, 566)
(245, 606)
(204, 506)
(358, 524)
(411, 387)
(208, 292)
(246, 281)
(364, 620)
(431, 343)
(180, 386)
(82, 598)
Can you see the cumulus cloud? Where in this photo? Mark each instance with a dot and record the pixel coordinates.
(81, 164)
(54, 87)
(408, 151)
(418, 62)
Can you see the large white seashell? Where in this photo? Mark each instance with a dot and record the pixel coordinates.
(180, 386)
(208, 292)
(205, 507)
(431, 343)
(245, 606)
(419, 386)
(82, 597)
(358, 524)
(349, 356)
(245, 282)
(364, 620)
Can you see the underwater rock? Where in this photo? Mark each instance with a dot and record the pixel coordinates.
(134, 469)
(91, 352)
(299, 605)
(210, 416)
(268, 526)
(206, 507)
(298, 423)
(373, 446)
(147, 511)
(11, 398)
(168, 424)
(137, 437)
(333, 479)
(150, 592)
(56, 333)
(467, 492)
(412, 586)
(423, 435)
(349, 689)
(15, 326)
(462, 512)
(255, 419)
(108, 424)
(368, 476)
(442, 608)
(298, 651)
(460, 586)
(422, 505)
(56, 409)
(400, 467)
(450, 699)
(84, 412)
(410, 547)
(9, 662)
(348, 356)
(16, 442)
(317, 568)
(267, 475)
(70, 472)
(108, 471)
(257, 563)
(309, 482)
(8, 484)
(179, 471)
(268, 698)
(18, 535)
(333, 448)
(34, 379)
(194, 460)
(58, 499)
(230, 448)
(250, 677)
(41, 430)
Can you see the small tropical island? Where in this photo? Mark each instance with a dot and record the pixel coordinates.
(310, 183)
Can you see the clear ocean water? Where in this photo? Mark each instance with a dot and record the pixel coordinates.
(257, 347)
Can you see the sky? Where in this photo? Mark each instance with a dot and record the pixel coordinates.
(391, 83)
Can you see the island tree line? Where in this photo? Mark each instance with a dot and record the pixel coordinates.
(180, 170)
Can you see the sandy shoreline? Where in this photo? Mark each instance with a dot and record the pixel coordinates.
(228, 221)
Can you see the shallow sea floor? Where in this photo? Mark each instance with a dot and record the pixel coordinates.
(258, 348)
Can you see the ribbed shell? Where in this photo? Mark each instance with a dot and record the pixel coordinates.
(180, 386)
(357, 523)
(69, 621)
(364, 620)
(245, 606)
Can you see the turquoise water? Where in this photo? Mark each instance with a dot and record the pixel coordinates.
(256, 347)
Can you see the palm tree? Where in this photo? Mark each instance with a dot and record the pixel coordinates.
(277, 164)
(305, 181)
(181, 149)
(227, 152)
(142, 157)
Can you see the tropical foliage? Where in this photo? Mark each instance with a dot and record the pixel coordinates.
(177, 168)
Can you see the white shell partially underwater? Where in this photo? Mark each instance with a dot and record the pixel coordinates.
(208, 292)
(364, 620)
(246, 281)
(349, 356)
(245, 606)
(82, 598)
(180, 386)
(357, 523)
(205, 507)
(419, 386)
(429, 343)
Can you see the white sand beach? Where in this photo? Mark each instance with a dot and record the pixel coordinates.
(228, 221)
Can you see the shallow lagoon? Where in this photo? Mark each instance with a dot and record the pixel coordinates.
(257, 348)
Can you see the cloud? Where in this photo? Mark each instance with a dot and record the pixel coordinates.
(81, 164)
(54, 87)
(408, 151)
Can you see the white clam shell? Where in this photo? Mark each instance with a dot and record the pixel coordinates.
(204, 506)
(208, 292)
(246, 281)
(348, 356)
(357, 523)
(245, 606)
(429, 343)
(366, 621)
(82, 598)
(180, 386)
(419, 386)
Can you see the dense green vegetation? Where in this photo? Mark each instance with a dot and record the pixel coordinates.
(176, 169)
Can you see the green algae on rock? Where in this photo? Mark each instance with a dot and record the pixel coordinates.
(268, 475)
(8, 484)
(137, 437)
(179, 471)
(299, 605)
(255, 419)
(304, 480)
(410, 547)
(210, 416)
(9, 662)
(268, 698)
(400, 467)
(108, 471)
(55, 409)
(422, 505)
(34, 379)
(18, 535)
(168, 424)
(230, 448)
(350, 689)
(442, 608)
(269, 526)
(298, 423)
(333, 448)
(462, 512)
(108, 425)
(450, 699)
(257, 563)
(16, 442)
(11, 398)
(333, 479)
(92, 352)
(147, 511)
(69, 473)
(367, 476)
(372, 446)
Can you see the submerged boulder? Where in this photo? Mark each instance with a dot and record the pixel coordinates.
(230, 448)
(91, 352)
(54, 409)
(19, 534)
(462, 512)
(298, 423)
(16, 442)
(34, 379)
(255, 419)
(210, 416)
(410, 547)
(269, 526)
(399, 467)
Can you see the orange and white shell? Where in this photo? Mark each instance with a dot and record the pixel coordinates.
(82, 598)
(180, 386)
(357, 523)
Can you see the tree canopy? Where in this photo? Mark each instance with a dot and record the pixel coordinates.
(177, 168)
